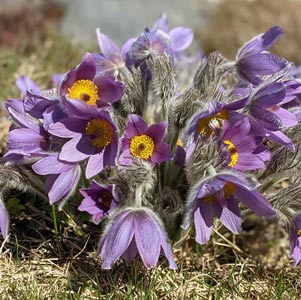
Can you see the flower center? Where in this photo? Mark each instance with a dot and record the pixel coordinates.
(207, 125)
(84, 90)
(299, 232)
(100, 132)
(228, 190)
(106, 199)
(180, 143)
(142, 146)
(233, 153)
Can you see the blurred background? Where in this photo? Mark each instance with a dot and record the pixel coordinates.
(42, 37)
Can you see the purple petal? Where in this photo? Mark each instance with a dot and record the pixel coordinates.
(50, 165)
(270, 95)
(230, 216)
(135, 126)
(110, 90)
(287, 118)
(156, 131)
(161, 153)
(24, 84)
(255, 201)
(126, 47)
(110, 153)
(72, 151)
(249, 161)
(181, 38)
(57, 79)
(64, 185)
(125, 159)
(68, 128)
(149, 249)
(117, 239)
(107, 47)
(261, 42)
(281, 138)
(4, 222)
(131, 252)
(87, 68)
(265, 118)
(161, 24)
(203, 221)
(95, 165)
(89, 205)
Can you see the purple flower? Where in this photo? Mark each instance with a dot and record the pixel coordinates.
(218, 196)
(254, 61)
(295, 240)
(111, 60)
(243, 147)
(82, 83)
(4, 220)
(93, 136)
(144, 142)
(62, 177)
(99, 200)
(134, 231)
(25, 84)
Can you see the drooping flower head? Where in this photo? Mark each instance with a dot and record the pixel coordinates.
(218, 196)
(253, 61)
(143, 142)
(93, 136)
(295, 240)
(99, 200)
(83, 83)
(135, 231)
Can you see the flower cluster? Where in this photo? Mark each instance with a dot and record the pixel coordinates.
(156, 147)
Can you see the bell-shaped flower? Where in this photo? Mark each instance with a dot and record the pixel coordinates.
(131, 232)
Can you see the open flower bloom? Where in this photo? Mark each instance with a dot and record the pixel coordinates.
(144, 142)
(99, 201)
(93, 136)
(218, 196)
(62, 177)
(135, 231)
(295, 240)
(82, 83)
(245, 152)
(4, 221)
(254, 61)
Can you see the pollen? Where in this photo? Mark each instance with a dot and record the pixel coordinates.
(207, 125)
(299, 232)
(180, 143)
(233, 153)
(229, 189)
(84, 90)
(142, 146)
(100, 132)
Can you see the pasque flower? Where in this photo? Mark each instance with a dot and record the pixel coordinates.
(83, 83)
(93, 136)
(253, 61)
(295, 240)
(135, 231)
(218, 196)
(144, 142)
(4, 222)
(99, 200)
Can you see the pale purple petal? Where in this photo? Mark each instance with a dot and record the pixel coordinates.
(68, 128)
(131, 252)
(161, 24)
(230, 216)
(265, 118)
(57, 79)
(107, 47)
(95, 165)
(125, 159)
(24, 84)
(149, 248)
(89, 205)
(4, 220)
(281, 138)
(126, 47)
(181, 38)
(287, 118)
(255, 201)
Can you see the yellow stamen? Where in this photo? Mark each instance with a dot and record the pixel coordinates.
(84, 90)
(142, 146)
(233, 153)
(180, 143)
(207, 125)
(100, 132)
(299, 232)
(229, 189)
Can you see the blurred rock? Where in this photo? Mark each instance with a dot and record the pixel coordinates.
(121, 19)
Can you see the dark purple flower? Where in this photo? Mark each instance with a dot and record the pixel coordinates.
(254, 61)
(218, 196)
(133, 231)
(82, 83)
(243, 147)
(99, 201)
(62, 177)
(144, 142)
(295, 240)
(93, 136)
(4, 220)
